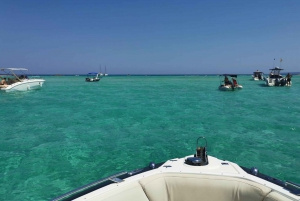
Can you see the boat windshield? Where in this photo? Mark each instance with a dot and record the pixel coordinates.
(275, 72)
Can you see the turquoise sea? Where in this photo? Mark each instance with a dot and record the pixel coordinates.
(70, 132)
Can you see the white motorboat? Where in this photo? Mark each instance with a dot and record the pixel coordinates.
(229, 85)
(275, 78)
(17, 80)
(92, 77)
(195, 177)
(257, 75)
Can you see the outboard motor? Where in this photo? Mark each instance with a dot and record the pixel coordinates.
(200, 158)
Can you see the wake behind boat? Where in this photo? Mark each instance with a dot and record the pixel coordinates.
(15, 79)
(229, 85)
(195, 177)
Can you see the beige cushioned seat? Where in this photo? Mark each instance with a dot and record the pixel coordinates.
(188, 187)
(275, 196)
(127, 192)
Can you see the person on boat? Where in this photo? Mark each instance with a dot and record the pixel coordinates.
(3, 81)
(288, 78)
(259, 75)
(23, 77)
(11, 81)
(234, 82)
(226, 81)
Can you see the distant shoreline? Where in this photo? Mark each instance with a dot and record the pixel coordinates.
(116, 75)
(293, 73)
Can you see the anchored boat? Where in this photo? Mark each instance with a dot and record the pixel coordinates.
(195, 177)
(92, 77)
(276, 79)
(227, 84)
(17, 80)
(257, 75)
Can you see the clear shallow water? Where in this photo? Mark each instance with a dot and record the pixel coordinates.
(71, 133)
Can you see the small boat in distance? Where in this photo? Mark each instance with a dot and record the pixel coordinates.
(105, 74)
(275, 78)
(195, 177)
(92, 77)
(17, 80)
(229, 85)
(257, 75)
(100, 72)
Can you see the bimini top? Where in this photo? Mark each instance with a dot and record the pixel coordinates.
(230, 75)
(13, 69)
(276, 68)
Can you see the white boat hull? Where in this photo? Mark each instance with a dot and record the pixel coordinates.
(276, 82)
(276, 79)
(25, 85)
(195, 177)
(229, 87)
(92, 79)
(176, 180)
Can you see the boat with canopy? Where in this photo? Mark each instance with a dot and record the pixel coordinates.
(275, 78)
(92, 77)
(227, 84)
(16, 79)
(257, 75)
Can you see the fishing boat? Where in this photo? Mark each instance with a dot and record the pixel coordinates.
(195, 177)
(92, 77)
(229, 85)
(17, 80)
(257, 75)
(275, 78)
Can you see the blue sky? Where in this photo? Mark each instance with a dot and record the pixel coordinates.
(149, 37)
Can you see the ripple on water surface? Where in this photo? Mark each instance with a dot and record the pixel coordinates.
(71, 133)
